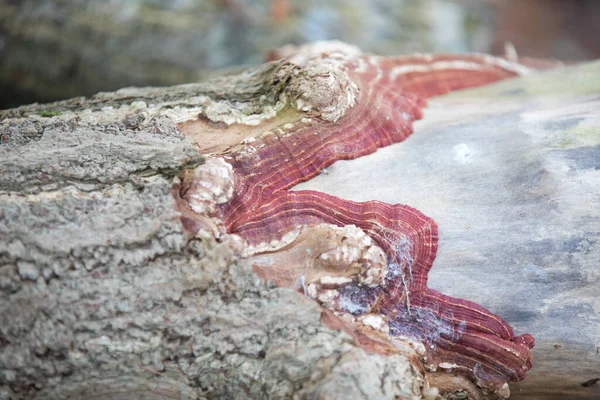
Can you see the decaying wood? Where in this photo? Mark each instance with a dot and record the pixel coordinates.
(105, 293)
(510, 174)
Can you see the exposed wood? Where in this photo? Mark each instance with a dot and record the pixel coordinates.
(104, 292)
(511, 174)
(105, 296)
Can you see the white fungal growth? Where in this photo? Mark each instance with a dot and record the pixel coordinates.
(213, 184)
(312, 290)
(347, 304)
(335, 280)
(358, 249)
(327, 296)
(375, 321)
(323, 87)
(273, 245)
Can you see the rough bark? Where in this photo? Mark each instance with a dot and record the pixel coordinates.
(105, 295)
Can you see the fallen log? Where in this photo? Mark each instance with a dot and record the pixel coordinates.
(154, 242)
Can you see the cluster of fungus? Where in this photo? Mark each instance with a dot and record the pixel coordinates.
(365, 263)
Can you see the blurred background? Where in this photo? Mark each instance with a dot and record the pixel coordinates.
(56, 49)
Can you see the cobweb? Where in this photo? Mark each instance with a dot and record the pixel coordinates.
(400, 265)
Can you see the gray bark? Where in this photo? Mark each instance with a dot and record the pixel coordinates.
(104, 296)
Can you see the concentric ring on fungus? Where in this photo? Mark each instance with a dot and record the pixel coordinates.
(365, 263)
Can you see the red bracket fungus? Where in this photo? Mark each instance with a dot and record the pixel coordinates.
(365, 263)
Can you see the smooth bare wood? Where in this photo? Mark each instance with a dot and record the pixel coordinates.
(511, 174)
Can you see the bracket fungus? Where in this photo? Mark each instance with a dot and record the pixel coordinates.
(365, 263)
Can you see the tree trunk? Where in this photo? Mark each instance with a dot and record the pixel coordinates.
(113, 287)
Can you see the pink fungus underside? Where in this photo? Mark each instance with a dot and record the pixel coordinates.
(392, 93)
